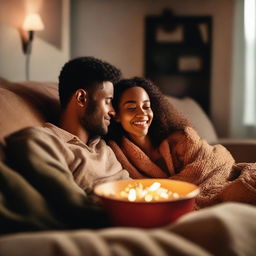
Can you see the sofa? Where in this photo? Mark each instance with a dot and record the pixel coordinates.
(27, 104)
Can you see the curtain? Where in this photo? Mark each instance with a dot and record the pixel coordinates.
(243, 109)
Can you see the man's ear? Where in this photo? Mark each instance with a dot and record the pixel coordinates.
(81, 97)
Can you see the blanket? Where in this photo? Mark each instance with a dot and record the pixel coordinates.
(189, 158)
(226, 229)
(47, 200)
(52, 204)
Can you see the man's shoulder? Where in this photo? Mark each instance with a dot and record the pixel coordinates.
(30, 133)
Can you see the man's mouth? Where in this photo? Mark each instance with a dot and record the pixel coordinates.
(107, 120)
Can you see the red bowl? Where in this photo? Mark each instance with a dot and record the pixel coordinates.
(146, 214)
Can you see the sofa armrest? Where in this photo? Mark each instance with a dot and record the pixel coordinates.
(243, 150)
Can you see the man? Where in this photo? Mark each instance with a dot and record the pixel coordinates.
(55, 159)
(86, 92)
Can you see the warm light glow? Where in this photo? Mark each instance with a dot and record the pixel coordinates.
(33, 22)
(250, 63)
(249, 20)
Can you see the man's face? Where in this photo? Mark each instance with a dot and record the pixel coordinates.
(99, 110)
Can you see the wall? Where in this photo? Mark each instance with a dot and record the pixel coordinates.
(50, 47)
(114, 31)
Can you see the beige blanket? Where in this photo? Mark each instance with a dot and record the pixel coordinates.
(190, 158)
(226, 229)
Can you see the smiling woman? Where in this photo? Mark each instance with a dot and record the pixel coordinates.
(140, 98)
(152, 140)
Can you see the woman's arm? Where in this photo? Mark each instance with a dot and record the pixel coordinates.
(200, 163)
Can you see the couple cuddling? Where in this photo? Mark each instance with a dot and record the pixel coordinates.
(143, 137)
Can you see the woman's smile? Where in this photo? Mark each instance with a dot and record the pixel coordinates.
(142, 123)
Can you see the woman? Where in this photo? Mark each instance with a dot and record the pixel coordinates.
(151, 139)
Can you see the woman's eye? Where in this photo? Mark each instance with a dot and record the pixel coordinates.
(131, 108)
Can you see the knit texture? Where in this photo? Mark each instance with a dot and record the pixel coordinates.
(190, 158)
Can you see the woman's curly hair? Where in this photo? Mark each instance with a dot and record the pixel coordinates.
(166, 118)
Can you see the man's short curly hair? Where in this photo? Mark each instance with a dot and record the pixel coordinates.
(86, 73)
(166, 118)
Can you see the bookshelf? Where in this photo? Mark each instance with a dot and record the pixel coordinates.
(178, 55)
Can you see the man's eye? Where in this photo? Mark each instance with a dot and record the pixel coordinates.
(108, 101)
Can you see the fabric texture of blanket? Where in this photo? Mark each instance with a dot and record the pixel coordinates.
(46, 200)
(190, 158)
(226, 229)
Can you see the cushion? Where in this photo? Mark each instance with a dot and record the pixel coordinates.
(26, 104)
(191, 110)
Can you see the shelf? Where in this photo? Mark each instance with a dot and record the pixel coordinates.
(178, 48)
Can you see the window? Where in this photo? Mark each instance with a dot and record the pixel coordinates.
(250, 67)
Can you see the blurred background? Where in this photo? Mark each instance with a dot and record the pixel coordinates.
(204, 49)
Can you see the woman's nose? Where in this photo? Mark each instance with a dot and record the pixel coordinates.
(140, 111)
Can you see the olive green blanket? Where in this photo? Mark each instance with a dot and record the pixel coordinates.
(41, 199)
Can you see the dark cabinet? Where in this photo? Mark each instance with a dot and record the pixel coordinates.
(178, 55)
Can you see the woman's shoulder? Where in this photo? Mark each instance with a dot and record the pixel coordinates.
(186, 134)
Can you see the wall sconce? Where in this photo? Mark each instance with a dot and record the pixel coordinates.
(32, 23)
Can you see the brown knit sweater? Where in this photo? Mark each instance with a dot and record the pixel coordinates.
(189, 158)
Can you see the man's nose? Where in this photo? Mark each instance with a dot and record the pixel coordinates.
(112, 112)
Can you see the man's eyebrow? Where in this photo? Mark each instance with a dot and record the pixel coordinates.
(109, 97)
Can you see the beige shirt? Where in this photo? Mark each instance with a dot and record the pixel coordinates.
(90, 164)
(55, 148)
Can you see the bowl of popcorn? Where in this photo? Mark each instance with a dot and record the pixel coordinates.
(146, 203)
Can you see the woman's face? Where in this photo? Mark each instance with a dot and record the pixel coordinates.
(134, 112)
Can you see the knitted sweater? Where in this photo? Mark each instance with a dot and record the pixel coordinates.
(189, 158)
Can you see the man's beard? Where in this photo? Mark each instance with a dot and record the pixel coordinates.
(92, 120)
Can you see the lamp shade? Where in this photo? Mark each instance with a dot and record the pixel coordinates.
(33, 22)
